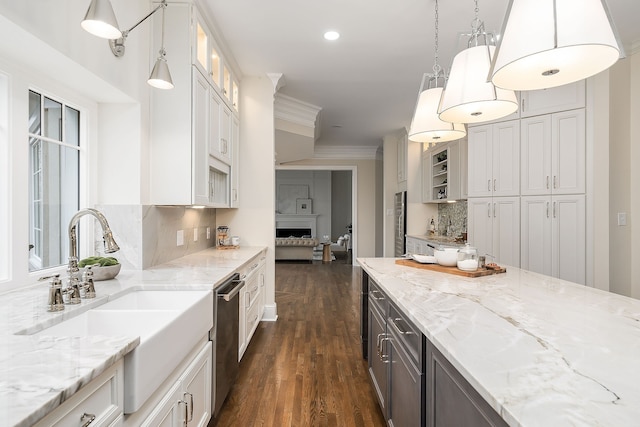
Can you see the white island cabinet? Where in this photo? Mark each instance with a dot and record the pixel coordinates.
(194, 125)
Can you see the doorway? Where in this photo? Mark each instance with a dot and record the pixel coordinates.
(328, 194)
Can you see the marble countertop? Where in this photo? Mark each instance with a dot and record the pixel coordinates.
(541, 351)
(38, 373)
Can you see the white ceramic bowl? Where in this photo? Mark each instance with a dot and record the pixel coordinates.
(447, 257)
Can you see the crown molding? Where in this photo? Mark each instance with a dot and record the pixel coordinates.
(296, 111)
(345, 152)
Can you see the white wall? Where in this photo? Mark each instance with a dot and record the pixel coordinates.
(624, 241)
(254, 222)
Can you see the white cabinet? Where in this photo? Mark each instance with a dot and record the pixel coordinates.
(553, 236)
(554, 153)
(559, 98)
(188, 401)
(102, 398)
(442, 172)
(190, 150)
(493, 226)
(494, 159)
(402, 152)
(235, 165)
(418, 246)
(251, 301)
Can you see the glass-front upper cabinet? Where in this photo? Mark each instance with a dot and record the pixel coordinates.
(208, 58)
(216, 62)
(202, 47)
(235, 94)
(226, 89)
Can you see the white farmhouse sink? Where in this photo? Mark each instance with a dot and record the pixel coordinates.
(169, 323)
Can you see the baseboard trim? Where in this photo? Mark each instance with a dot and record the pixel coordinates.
(270, 313)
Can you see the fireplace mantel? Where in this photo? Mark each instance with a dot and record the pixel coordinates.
(297, 221)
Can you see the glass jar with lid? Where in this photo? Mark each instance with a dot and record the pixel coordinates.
(468, 258)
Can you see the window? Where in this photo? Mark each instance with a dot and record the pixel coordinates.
(54, 188)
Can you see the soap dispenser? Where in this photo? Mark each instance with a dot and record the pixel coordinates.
(432, 227)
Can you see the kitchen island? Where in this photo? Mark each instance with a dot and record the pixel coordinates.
(39, 373)
(540, 351)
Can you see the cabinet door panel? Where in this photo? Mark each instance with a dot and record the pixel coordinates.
(536, 155)
(569, 152)
(215, 127)
(377, 366)
(480, 161)
(560, 98)
(169, 412)
(197, 388)
(405, 389)
(536, 234)
(200, 170)
(506, 159)
(569, 243)
(479, 224)
(506, 230)
(454, 401)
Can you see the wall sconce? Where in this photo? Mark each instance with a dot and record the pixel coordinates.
(100, 20)
(551, 43)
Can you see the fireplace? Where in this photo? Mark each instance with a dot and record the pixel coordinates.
(296, 225)
(293, 232)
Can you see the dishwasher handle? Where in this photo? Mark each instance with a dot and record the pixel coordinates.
(230, 290)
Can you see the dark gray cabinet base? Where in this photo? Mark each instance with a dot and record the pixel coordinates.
(451, 400)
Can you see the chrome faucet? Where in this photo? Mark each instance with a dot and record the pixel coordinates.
(110, 246)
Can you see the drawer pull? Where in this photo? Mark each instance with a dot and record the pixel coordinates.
(87, 419)
(189, 404)
(403, 331)
(384, 357)
(373, 293)
(184, 418)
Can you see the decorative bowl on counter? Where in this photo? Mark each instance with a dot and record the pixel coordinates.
(104, 273)
(446, 256)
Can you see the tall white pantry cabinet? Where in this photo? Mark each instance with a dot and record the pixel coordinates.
(551, 236)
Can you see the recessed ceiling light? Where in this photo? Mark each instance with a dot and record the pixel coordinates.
(332, 35)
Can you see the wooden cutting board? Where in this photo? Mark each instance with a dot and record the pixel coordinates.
(451, 270)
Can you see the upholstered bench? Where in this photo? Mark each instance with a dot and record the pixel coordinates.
(295, 248)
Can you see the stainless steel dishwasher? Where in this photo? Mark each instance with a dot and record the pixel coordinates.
(226, 340)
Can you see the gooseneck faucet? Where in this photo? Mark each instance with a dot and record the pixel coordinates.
(110, 246)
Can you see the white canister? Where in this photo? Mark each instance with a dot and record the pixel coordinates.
(235, 240)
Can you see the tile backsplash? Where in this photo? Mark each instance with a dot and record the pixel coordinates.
(454, 213)
(147, 235)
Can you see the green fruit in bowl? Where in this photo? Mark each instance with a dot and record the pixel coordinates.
(101, 261)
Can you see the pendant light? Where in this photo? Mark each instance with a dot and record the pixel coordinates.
(426, 126)
(160, 76)
(468, 97)
(547, 43)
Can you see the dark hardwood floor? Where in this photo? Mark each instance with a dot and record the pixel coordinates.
(307, 369)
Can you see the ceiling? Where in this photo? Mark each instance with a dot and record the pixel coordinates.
(367, 81)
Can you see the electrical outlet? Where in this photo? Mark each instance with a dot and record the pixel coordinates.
(180, 238)
(208, 233)
(195, 234)
(622, 218)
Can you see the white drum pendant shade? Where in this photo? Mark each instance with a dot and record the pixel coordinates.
(426, 126)
(468, 96)
(542, 48)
